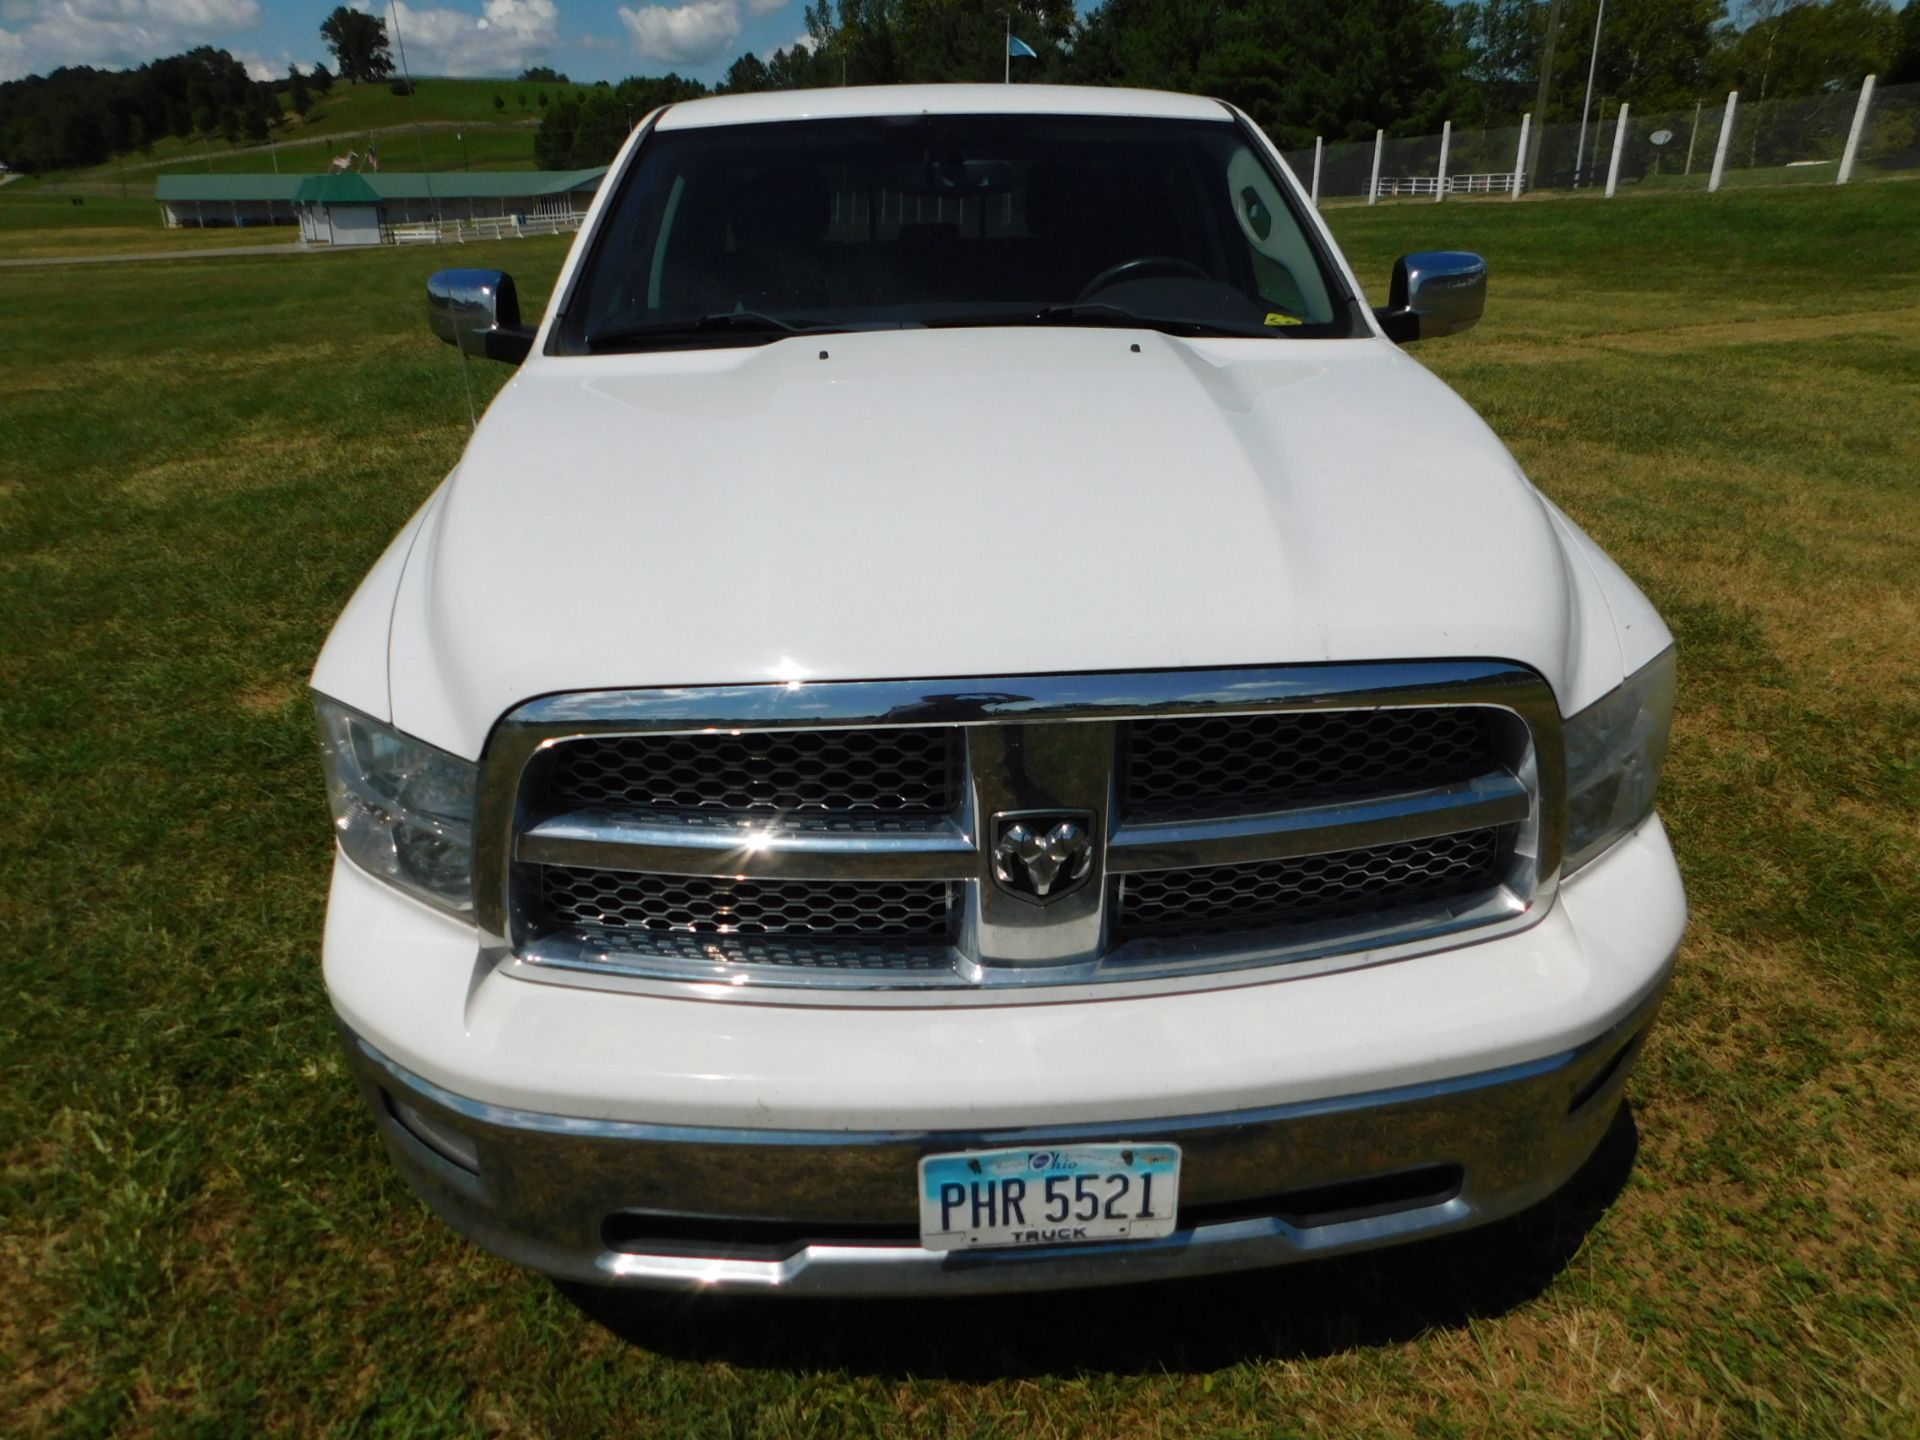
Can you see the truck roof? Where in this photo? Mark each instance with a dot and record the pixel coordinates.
(865, 100)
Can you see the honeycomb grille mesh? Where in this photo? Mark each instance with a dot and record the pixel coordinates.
(1275, 894)
(909, 772)
(1183, 767)
(912, 912)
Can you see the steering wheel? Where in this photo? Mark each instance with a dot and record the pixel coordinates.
(1135, 268)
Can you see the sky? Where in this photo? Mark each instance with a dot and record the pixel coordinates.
(585, 39)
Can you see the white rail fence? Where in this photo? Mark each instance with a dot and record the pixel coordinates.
(1834, 139)
(503, 227)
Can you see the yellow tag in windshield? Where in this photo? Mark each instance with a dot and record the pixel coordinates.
(1275, 318)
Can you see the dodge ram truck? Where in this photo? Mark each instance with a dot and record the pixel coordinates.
(970, 720)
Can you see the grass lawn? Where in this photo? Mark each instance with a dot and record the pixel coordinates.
(38, 224)
(200, 1235)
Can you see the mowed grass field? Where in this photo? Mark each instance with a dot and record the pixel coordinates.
(200, 1236)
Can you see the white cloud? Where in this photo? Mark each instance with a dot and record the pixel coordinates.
(690, 34)
(503, 37)
(42, 35)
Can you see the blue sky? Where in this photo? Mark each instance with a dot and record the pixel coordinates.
(588, 39)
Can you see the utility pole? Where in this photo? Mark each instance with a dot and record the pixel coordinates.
(1532, 164)
(1593, 63)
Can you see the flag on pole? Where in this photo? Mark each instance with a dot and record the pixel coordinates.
(1018, 49)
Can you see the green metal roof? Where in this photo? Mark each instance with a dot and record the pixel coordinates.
(350, 188)
(226, 187)
(479, 184)
(368, 187)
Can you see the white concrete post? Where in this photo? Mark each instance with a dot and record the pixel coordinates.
(1859, 128)
(1373, 185)
(1316, 172)
(1520, 157)
(1726, 135)
(1440, 176)
(1619, 144)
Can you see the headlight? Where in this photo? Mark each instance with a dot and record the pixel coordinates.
(1615, 748)
(402, 810)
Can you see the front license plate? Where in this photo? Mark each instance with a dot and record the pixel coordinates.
(982, 1199)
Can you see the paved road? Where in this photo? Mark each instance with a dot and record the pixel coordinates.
(283, 248)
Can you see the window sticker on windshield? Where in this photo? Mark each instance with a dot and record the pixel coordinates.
(1274, 317)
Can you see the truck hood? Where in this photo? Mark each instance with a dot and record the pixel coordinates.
(925, 503)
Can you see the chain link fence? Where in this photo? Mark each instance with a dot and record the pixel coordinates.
(1802, 140)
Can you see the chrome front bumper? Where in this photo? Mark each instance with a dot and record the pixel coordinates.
(823, 1213)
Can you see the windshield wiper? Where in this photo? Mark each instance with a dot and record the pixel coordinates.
(1100, 312)
(740, 322)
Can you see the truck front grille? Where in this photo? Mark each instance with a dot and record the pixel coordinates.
(898, 772)
(1309, 890)
(1180, 767)
(610, 901)
(805, 836)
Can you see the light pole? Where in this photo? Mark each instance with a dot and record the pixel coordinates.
(1593, 62)
(1532, 161)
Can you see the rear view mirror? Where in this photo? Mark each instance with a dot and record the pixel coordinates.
(479, 311)
(1434, 293)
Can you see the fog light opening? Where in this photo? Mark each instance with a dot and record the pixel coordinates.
(446, 1142)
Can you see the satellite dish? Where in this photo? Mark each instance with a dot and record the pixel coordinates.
(1661, 137)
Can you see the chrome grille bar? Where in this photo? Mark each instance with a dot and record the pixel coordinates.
(767, 850)
(1490, 800)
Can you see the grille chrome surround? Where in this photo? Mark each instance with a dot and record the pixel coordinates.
(1046, 743)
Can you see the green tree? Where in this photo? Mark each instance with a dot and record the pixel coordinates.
(1300, 67)
(553, 141)
(299, 93)
(1806, 48)
(498, 103)
(359, 44)
(262, 113)
(746, 75)
(322, 80)
(1905, 68)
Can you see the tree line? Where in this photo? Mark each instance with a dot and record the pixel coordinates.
(1301, 68)
(80, 116)
(1344, 68)
(1337, 68)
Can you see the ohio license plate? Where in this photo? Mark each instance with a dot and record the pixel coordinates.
(980, 1199)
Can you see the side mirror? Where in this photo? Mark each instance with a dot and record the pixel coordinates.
(1434, 293)
(479, 311)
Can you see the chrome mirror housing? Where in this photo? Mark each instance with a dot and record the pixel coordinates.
(478, 311)
(1434, 293)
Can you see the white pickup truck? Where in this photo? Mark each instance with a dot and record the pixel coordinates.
(969, 721)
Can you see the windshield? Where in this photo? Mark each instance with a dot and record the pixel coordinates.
(740, 234)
